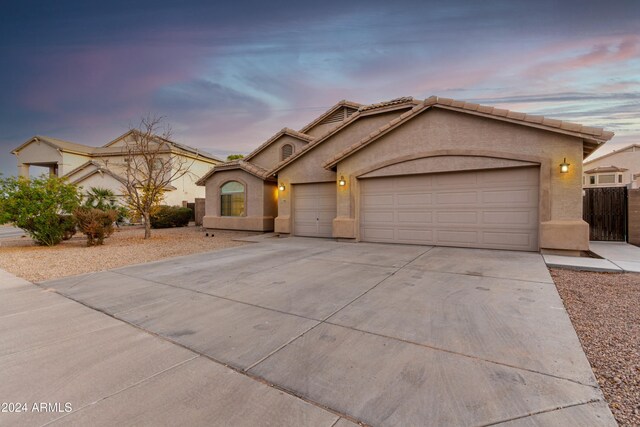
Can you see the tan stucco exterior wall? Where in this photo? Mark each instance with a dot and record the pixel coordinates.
(308, 168)
(446, 133)
(259, 200)
(319, 130)
(271, 156)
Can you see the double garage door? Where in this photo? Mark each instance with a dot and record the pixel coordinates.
(495, 209)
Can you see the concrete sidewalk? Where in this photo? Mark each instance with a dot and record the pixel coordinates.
(57, 352)
(616, 257)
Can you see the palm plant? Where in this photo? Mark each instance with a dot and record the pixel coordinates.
(101, 198)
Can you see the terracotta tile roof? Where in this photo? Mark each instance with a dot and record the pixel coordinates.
(398, 103)
(284, 131)
(592, 136)
(600, 169)
(249, 167)
(330, 111)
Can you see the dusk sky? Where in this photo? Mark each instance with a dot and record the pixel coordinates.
(228, 75)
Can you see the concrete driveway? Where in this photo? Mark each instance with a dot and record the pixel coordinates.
(302, 332)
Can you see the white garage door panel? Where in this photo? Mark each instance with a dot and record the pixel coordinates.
(486, 209)
(524, 195)
(314, 209)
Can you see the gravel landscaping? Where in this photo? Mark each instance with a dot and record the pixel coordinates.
(126, 246)
(605, 311)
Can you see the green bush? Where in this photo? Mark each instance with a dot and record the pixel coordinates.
(40, 206)
(69, 224)
(96, 224)
(170, 216)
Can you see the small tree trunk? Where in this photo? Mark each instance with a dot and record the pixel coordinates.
(147, 226)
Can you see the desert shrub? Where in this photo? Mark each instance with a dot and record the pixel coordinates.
(170, 216)
(105, 199)
(39, 206)
(96, 224)
(69, 224)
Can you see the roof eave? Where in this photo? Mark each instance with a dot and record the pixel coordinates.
(347, 122)
(590, 142)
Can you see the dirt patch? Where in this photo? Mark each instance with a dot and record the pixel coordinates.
(605, 311)
(126, 246)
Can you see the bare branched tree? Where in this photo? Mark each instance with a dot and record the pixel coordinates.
(150, 167)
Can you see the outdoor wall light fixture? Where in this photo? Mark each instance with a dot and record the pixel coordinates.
(281, 187)
(342, 182)
(564, 166)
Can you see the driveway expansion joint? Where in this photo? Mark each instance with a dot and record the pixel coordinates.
(537, 282)
(470, 356)
(212, 296)
(337, 311)
(544, 411)
(206, 356)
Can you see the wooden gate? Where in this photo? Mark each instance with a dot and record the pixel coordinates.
(605, 209)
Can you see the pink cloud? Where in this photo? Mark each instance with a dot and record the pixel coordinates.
(605, 52)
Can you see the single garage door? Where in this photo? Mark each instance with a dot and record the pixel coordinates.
(314, 208)
(495, 209)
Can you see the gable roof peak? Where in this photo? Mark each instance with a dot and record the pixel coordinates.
(592, 137)
(284, 131)
(394, 101)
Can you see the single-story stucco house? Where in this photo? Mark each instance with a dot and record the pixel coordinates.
(433, 172)
(105, 166)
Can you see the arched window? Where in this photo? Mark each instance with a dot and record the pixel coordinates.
(287, 151)
(232, 199)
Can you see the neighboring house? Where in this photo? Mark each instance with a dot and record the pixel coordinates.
(105, 166)
(620, 168)
(432, 172)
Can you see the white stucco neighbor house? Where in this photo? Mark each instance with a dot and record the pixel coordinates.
(620, 168)
(105, 166)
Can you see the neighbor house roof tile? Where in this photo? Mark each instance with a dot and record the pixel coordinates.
(606, 169)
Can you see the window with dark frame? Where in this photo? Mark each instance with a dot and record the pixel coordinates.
(232, 199)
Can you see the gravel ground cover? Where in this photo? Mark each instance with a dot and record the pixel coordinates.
(126, 246)
(605, 311)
